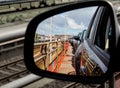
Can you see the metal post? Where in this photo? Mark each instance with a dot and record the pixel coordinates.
(57, 53)
(65, 35)
(51, 40)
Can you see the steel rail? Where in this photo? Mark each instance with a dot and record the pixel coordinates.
(71, 85)
(15, 72)
(12, 34)
(11, 63)
(11, 41)
(48, 42)
(22, 81)
(11, 45)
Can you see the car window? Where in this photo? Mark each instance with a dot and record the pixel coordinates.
(102, 39)
(94, 22)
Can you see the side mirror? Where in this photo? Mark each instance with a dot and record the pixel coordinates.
(48, 51)
(76, 38)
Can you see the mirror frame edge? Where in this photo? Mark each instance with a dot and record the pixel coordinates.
(29, 39)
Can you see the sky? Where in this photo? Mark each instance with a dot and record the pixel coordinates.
(67, 23)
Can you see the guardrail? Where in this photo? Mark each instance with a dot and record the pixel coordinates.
(45, 58)
(12, 44)
(11, 39)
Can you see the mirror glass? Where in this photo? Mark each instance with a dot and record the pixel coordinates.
(57, 39)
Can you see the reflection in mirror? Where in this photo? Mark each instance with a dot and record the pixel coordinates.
(57, 39)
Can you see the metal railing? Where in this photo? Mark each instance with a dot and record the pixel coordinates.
(44, 57)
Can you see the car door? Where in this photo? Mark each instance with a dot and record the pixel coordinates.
(80, 57)
(95, 53)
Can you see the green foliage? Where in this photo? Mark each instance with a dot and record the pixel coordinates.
(11, 18)
(37, 36)
(21, 16)
(2, 20)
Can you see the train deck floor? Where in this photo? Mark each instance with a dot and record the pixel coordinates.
(67, 65)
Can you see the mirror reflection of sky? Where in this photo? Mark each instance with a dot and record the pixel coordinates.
(69, 23)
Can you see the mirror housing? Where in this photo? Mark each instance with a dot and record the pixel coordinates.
(29, 43)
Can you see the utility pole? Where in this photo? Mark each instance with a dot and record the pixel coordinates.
(51, 28)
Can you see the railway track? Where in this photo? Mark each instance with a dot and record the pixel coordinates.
(107, 84)
(12, 65)
(12, 71)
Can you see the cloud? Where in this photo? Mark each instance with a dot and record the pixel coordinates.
(72, 24)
